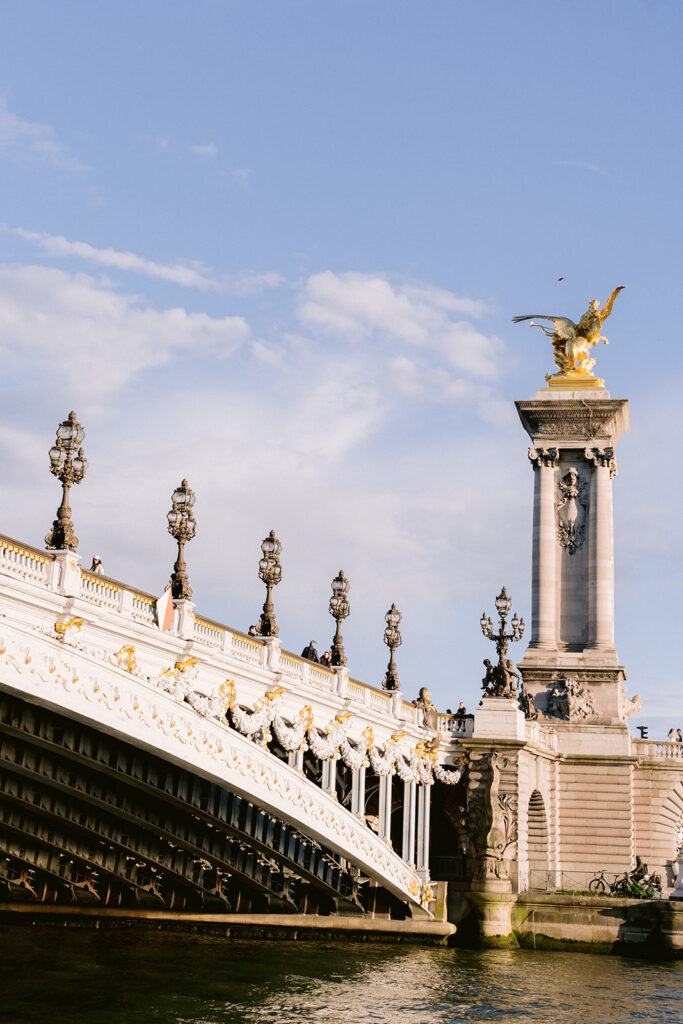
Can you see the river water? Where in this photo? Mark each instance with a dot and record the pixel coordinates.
(54, 976)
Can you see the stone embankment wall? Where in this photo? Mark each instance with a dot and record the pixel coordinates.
(595, 924)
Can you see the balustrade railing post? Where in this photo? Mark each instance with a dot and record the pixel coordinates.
(341, 681)
(126, 603)
(184, 621)
(396, 704)
(67, 580)
(271, 653)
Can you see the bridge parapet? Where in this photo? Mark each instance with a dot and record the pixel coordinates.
(135, 611)
(658, 750)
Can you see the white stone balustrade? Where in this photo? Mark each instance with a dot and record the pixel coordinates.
(655, 750)
(229, 650)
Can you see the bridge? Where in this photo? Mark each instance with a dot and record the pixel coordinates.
(201, 770)
(155, 763)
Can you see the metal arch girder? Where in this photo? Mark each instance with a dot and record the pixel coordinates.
(201, 845)
(20, 728)
(24, 797)
(37, 853)
(232, 862)
(226, 860)
(54, 875)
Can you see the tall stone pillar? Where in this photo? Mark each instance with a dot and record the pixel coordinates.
(409, 801)
(329, 776)
(385, 807)
(571, 666)
(358, 792)
(544, 461)
(601, 553)
(423, 812)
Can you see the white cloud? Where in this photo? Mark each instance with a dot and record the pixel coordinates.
(434, 384)
(320, 441)
(178, 273)
(358, 307)
(207, 149)
(75, 331)
(37, 142)
(252, 282)
(189, 275)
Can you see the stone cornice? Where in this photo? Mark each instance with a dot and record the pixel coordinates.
(574, 423)
(599, 759)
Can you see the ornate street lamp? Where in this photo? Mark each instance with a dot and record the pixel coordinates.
(339, 609)
(393, 639)
(270, 571)
(68, 464)
(181, 526)
(500, 679)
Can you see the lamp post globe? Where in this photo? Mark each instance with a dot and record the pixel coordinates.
(393, 639)
(500, 678)
(182, 527)
(69, 465)
(270, 572)
(339, 610)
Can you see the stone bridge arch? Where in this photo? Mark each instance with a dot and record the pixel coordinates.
(659, 843)
(138, 730)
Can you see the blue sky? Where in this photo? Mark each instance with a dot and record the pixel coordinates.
(275, 246)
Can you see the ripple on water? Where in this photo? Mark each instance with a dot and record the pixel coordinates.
(95, 977)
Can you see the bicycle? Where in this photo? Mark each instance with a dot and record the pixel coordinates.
(639, 890)
(601, 886)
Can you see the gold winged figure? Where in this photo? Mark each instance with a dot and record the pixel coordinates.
(572, 342)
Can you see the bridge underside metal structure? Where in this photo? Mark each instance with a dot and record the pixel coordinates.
(88, 819)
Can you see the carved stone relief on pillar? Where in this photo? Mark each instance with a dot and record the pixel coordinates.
(628, 707)
(571, 507)
(570, 700)
(491, 819)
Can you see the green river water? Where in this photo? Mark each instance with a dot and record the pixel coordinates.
(55, 976)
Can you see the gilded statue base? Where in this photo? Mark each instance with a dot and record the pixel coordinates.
(575, 380)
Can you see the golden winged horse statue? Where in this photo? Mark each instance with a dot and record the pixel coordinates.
(572, 342)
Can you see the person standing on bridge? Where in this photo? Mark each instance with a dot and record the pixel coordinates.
(96, 566)
(310, 652)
